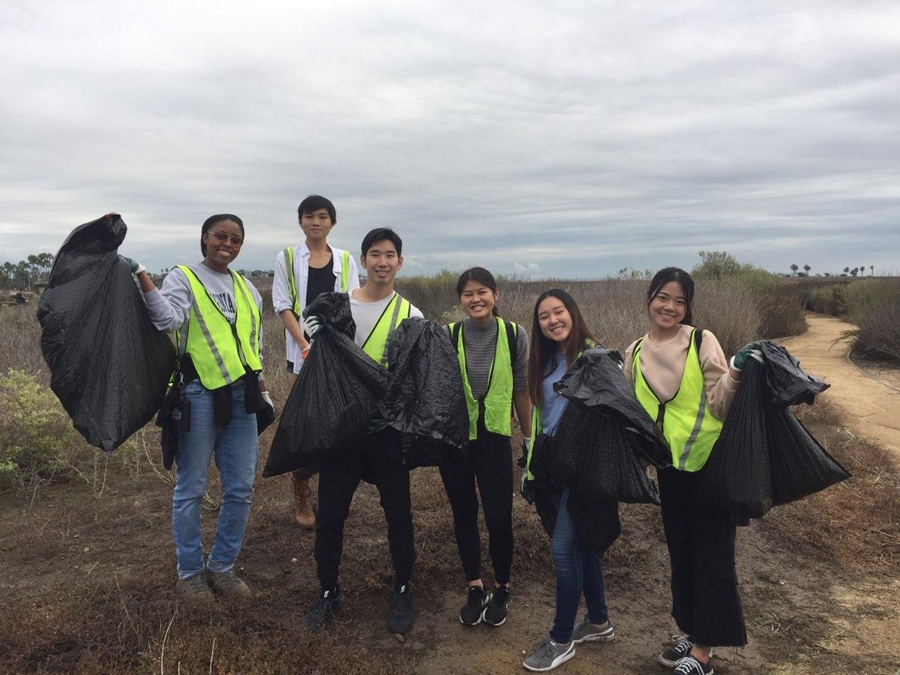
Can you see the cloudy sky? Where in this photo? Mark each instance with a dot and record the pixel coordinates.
(546, 138)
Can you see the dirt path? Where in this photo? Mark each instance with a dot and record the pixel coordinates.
(869, 408)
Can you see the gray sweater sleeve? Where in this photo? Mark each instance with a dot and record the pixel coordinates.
(520, 367)
(170, 307)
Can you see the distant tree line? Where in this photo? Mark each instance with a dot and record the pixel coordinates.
(856, 271)
(21, 276)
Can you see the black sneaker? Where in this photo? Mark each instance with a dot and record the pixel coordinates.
(400, 618)
(470, 614)
(495, 613)
(673, 655)
(692, 666)
(322, 610)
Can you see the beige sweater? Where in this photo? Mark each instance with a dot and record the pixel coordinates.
(662, 364)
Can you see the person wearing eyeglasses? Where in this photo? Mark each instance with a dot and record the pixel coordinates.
(215, 314)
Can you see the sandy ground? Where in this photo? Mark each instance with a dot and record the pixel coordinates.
(869, 403)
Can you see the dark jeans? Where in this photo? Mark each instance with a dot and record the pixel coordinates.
(490, 462)
(705, 600)
(577, 572)
(381, 462)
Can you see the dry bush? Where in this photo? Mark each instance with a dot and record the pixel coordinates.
(827, 300)
(20, 335)
(874, 306)
(615, 309)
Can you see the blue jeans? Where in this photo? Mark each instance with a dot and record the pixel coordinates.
(236, 449)
(577, 572)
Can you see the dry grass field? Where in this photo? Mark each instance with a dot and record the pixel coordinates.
(87, 561)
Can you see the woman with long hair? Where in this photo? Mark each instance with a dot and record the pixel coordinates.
(560, 334)
(215, 314)
(681, 377)
(493, 359)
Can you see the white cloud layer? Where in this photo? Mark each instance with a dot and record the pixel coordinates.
(558, 139)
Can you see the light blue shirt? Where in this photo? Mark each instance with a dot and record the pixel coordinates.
(554, 404)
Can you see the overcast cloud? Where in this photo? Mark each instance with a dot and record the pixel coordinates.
(565, 139)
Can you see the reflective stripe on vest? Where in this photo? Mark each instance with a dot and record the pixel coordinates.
(498, 398)
(535, 430)
(292, 280)
(689, 427)
(377, 342)
(219, 350)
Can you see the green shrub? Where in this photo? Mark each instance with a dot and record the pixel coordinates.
(827, 300)
(37, 440)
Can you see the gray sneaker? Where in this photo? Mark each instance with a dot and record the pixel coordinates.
(194, 591)
(592, 632)
(549, 655)
(229, 584)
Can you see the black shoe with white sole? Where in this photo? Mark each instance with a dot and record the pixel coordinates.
(690, 665)
(472, 612)
(673, 655)
(496, 610)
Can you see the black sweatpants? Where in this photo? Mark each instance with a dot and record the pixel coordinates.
(705, 600)
(490, 462)
(380, 461)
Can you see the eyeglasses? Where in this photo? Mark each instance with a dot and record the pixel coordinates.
(222, 237)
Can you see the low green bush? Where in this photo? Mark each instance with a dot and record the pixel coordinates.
(37, 440)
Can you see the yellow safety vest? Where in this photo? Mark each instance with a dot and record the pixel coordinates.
(498, 398)
(376, 342)
(292, 281)
(220, 351)
(689, 427)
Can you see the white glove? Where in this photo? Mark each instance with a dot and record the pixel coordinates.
(267, 399)
(312, 325)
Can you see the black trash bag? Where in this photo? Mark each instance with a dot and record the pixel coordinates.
(738, 473)
(787, 382)
(765, 457)
(425, 400)
(610, 470)
(800, 465)
(596, 380)
(109, 365)
(331, 406)
(334, 308)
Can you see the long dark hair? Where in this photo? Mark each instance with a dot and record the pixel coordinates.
(482, 276)
(218, 218)
(543, 348)
(683, 279)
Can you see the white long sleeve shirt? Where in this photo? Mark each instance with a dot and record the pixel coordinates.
(281, 292)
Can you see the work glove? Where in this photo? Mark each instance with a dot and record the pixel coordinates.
(136, 267)
(267, 399)
(750, 350)
(527, 489)
(312, 325)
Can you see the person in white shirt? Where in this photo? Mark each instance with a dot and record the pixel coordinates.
(301, 274)
(377, 310)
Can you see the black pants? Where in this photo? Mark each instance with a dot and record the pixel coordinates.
(705, 600)
(380, 462)
(490, 462)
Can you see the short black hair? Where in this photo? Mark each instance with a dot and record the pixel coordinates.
(314, 203)
(218, 218)
(381, 234)
(683, 279)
